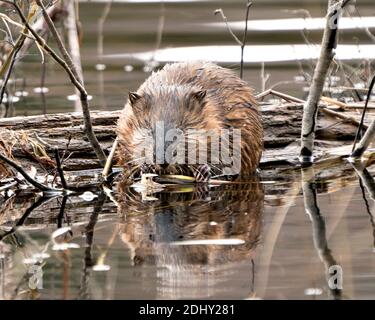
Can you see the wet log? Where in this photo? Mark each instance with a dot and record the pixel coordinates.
(282, 127)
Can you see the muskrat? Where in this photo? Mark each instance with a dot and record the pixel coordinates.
(190, 97)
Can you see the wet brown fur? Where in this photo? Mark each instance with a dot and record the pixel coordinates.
(229, 102)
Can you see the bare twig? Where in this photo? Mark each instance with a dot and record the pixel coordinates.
(101, 22)
(33, 182)
(280, 95)
(323, 108)
(12, 58)
(60, 170)
(248, 5)
(339, 115)
(358, 151)
(221, 12)
(243, 42)
(108, 166)
(263, 77)
(21, 221)
(8, 186)
(58, 39)
(74, 46)
(159, 34)
(77, 83)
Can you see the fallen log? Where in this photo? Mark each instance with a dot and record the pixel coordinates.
(34, 138)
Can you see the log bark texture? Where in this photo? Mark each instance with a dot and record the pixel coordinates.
(282, 127)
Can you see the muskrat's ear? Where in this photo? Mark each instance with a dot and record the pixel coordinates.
(134, 97)
(199, 95)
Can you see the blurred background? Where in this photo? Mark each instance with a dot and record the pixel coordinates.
(123, 41)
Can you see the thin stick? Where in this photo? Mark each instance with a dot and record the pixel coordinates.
(249, 4)
(101, 22)
(370, 133)
(108, 166)
(9, 185)
(27, 213)
(339, 115)
(221, 12)
(60, 170)
(323, 108)
(243, 42)
(13, 56)
(76, 82)
(280, 95)
(58, 39)
(33, 182)
(75, 54)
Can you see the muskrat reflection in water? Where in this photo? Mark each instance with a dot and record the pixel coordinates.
(162, 233)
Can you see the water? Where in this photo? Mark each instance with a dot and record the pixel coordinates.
(191, 30)
(245, 241)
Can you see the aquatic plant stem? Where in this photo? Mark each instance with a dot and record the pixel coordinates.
(76, 82)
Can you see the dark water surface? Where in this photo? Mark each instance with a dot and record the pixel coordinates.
(275, 238)
(260, 239)
(192, 31)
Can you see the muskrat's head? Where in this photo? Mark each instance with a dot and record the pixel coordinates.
(167, 130)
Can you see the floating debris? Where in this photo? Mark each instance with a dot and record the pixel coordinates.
(147, 184)
(313, 292)
(205, 242)
(59, 232)
(176, 179)
(101, 267)
(41, 90)
(74, 97)
(65, 246)
(100, 67)
(21, 93)
(88, 196)
(128, 68)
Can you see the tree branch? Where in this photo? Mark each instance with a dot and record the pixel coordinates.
(76, 82)
(329, 43)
